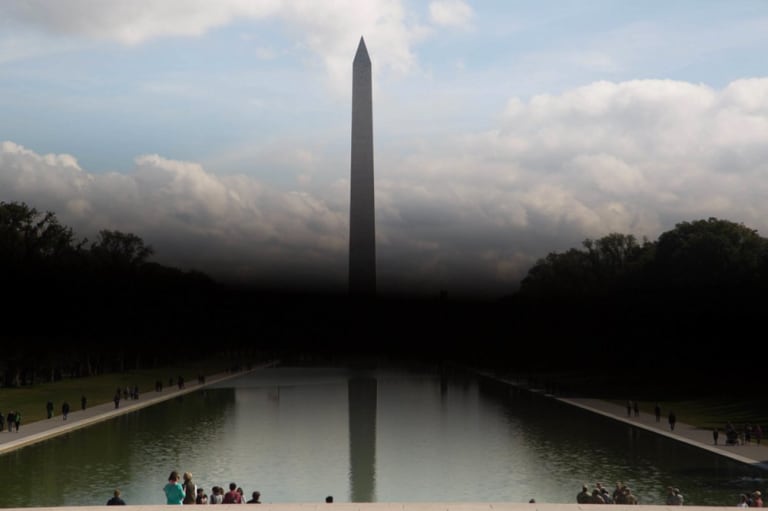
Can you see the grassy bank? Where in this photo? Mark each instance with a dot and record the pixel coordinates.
(31, 399)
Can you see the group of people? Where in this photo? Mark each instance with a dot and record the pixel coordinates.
(182, 490)
(754, 499)
(736, 437)
(13, 419)
(622, 494)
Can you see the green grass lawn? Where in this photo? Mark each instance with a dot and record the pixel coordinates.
(31, 399)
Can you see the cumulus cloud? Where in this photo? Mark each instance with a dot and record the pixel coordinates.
(468, 213)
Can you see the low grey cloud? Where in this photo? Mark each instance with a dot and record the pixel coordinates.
(466, 213)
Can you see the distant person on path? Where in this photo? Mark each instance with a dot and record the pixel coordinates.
(65, 409)
(758, 433)
(116, 500)
(83, 401)
(17, 420)
(49, 408)
(672, 420)
(2, 421)
(116, 399)
(657, 411)
(190, 489)
(255, 496)
(232, 496)
(715, 435)
(174, 492)
(636, 408)
(629, 408)
(11, 420)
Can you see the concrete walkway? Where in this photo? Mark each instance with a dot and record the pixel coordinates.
(38, 431)
(752, 453)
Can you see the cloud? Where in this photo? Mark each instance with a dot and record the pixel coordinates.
(467, 213)
(450, 13)
(328, 29)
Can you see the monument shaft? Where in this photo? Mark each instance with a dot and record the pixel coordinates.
(362, 228)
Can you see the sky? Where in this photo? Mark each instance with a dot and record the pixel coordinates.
(219, 132)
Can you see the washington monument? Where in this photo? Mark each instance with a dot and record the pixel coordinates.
(362, 228)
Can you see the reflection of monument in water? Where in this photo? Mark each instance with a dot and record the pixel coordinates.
(362, 438)
(362, 230)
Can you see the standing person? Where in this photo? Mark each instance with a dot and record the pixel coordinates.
(190, 489)
(636, 408)
(629, 407)
(116, 500)
(49, 408)
(17, 420)
(715, 435)
(679, 500)
(2, 421)
(83, 401)
(255, 496)
(672, 420)
(174, 492)
(11, 420)
(657, 411)
(758, 433)
(232, 496)
(757, 499)
(65, 409)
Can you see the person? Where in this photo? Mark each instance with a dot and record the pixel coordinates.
(629, 407)
(678, 500)
(190, 489)
(715, 435)
(636, 408)
(2, 421)
(201, 498)
(758, 433)
(743, 500)
(329, 499)
(584, 497)
(672, 420)
(216, 495)
(49, 408)
(174, 491)
(83, 401)
(11, 420)
(17, 420)
(532, 501)
(116, 399)
(232, 496)
(757, 499)
(255, 496)
(657, 411)
(116, 500)
(65, 409)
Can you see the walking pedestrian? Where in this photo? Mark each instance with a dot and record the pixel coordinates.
(657, 411)
(672, 420)
(83, 401)
(49, 408)
(65, 409)
(715, 435)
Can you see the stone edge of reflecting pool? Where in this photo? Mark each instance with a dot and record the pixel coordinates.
(400, 506)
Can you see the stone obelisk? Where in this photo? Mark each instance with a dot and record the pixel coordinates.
(362, 229)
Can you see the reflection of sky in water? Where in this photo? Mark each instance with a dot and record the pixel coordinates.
(286, 432)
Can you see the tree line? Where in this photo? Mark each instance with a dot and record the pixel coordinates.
(76, 307)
